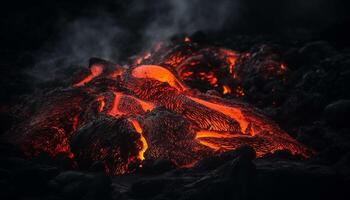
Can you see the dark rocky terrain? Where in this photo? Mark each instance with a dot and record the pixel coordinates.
(312, 105)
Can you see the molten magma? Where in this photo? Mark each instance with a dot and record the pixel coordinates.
(95, 70)
(115, 109)
(232, 112)
(138, 129)
(158, 73)
(203, 134)
(226, 89)
(231, 58)
(101, 103)
(125, 105)
(146, 111)
(212, 134)
(118, 110)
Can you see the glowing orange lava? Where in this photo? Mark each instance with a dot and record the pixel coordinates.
(117, 72)
(158, 73)
(101, 103)
(115, 109)
(214, 134)
(232, 112)
(212, 79)
(231, 58)
(226, 89)
(118, 98)
(138, 129)
(95, 71)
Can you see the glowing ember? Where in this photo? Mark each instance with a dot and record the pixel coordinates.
(226, 89)
(239, 92)
(231, 58)
(102, 103)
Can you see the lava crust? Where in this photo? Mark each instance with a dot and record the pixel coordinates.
(149, 110)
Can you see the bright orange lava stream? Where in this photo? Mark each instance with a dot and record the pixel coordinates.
(234, 113)
(138, 129)
(158, 73)
(213, 134)
(213, 146)
(115, 109)
(95, 70)
(146, 106)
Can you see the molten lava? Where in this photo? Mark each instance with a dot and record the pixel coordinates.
(138, 129)
(231, 112)
(95, 71)
(149, 110)
(158, 73)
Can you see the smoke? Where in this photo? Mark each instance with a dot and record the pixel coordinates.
(78, 41)
(114, 34)
(91, 37)
(109, 34)
(173, 17)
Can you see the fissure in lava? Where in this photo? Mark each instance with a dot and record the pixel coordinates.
(150, 109)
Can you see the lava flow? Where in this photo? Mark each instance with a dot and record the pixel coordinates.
(150, 110)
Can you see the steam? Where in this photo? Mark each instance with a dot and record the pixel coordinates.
(186, 17)
(79, 40)
(102, 36)
(139, 24)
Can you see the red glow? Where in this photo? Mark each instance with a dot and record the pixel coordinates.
(138, 129)
(95, 71)
(158, 73)
(101, 103)
(226, 89)
(232, 112)
(118, 98)
(154, 112)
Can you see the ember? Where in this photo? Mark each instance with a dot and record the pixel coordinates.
(150, 110)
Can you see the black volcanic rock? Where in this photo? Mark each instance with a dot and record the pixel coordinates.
(316, 51)
(243, 174)
(293, 180)
(157, 166)
(244, 152)
(24, 178)
(337, 113)
(148, 188)
(106, 140)
(78, 185)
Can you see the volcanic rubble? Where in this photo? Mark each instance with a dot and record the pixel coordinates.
(303, 87)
